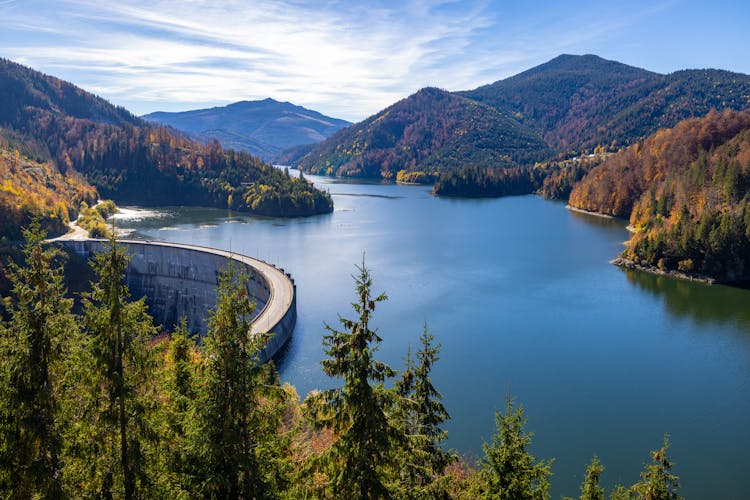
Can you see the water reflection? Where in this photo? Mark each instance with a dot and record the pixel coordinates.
(701, 303)
(597, 220)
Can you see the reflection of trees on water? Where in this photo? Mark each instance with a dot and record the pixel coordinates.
(701, 303)
(596, 220)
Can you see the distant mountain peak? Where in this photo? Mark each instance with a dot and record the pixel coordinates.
(587, 63)
(263, 127)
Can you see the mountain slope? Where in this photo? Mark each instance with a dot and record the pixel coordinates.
(70, 132)
(34, 189)
(687, 193)
(430, 131)
(562, 108)
(578, 102)
(263, 128)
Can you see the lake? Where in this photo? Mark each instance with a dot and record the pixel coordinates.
(520, 293)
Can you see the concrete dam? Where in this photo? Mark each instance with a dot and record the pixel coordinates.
(180, 280)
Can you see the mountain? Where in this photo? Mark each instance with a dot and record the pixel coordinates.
(263, 128)
(569, 105)
(428, 132)
(54, 128)
(686, 191)
(579, 102)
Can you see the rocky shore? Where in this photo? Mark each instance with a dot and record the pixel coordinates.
(630, 264)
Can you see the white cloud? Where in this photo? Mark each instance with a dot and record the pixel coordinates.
(346, 58)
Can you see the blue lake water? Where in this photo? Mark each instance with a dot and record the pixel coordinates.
(520, 293)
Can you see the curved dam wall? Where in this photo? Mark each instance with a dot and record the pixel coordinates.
(180, 280)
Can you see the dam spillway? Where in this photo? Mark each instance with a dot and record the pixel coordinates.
(181, 280)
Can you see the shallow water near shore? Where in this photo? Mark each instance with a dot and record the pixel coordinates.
(521, 295)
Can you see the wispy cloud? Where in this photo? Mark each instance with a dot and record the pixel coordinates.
(346, 58)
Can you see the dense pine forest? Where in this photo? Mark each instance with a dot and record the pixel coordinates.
(60, 145)
(102, 404)
(553, 179)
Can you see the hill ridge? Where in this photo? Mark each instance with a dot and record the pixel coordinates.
(262, 127)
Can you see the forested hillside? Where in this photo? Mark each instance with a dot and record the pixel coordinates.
(428, 132)
(29, 187)
(561, 109)
(687, 193)
(579, 102)
(80, 136)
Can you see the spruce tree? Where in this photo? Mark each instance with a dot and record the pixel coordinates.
(361, 459)
(509, 471)
(657, 482)
(119, 329)
(32, 348)
(590, 489)
(178, 379)
(421, 414)
(234, 437)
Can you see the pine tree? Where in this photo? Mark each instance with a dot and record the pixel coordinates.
(235, 434)
(179, 388)
(421, 414)
(32, 349)
(590, 489)
(361, 459)
(509, 471)
(119, 329)
(657, 482)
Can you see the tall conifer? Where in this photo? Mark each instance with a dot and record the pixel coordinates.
(119, 329)
(235, 434)
(32, 347)
(421, 413)
(509, 471)
(362, 458)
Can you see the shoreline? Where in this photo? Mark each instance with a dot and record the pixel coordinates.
(589, 212)
(629, 264)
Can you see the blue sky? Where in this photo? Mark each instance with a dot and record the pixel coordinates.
(349, 58)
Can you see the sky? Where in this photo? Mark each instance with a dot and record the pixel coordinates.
(349, 58)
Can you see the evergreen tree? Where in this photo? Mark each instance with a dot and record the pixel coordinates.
(32, 348)
(657, 482)
(361, 459)
(179, 389)
(421, 413)
(119, 329)
(509, 471)
(590, 489)
(235, 435)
